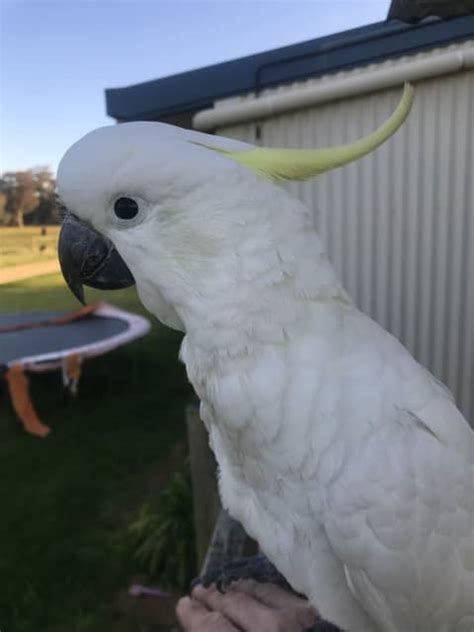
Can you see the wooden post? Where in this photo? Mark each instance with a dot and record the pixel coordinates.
(203, 473)
(227, 544)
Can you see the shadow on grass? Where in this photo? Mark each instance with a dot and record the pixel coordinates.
(65, 501)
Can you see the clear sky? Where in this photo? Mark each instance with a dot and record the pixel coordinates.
(58, 56)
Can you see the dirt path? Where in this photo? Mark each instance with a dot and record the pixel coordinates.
(18, 273)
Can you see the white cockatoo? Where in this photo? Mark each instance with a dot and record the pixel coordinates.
(342, 456)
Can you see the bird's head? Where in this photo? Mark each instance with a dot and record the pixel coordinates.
(160, 206)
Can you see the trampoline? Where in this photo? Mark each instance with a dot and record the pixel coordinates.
(46, 341)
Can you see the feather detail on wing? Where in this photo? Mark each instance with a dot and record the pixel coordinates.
(401, 520)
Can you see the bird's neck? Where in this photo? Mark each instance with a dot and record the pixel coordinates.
(237, 278)
(259, 294)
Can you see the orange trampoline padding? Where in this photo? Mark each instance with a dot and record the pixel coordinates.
(20, 397)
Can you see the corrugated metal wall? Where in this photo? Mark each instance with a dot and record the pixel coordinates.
(399, 224)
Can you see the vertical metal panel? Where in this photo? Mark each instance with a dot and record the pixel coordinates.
(399, 224)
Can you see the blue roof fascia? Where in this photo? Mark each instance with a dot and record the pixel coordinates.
(199, 88)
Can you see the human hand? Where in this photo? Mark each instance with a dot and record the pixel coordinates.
(246, 606)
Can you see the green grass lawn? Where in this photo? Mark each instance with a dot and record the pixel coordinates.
(19, 246)
(67, 500)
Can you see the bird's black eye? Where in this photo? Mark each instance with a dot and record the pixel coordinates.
(126, 208)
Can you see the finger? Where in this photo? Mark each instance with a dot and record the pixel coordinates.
(240, 608)
(269, 594)
(189, 612)
(194, 616)
(276, 597)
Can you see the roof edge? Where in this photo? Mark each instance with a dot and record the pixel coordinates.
(196, 89)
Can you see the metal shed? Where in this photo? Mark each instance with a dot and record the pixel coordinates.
(398, 224)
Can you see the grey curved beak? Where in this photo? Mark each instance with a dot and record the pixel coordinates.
(88, 258)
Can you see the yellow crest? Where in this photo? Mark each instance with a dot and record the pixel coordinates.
(300, 164)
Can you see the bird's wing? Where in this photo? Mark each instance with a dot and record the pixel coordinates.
(400, 517)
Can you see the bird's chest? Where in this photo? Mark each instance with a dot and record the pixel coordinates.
(260, 482)
(264, 430)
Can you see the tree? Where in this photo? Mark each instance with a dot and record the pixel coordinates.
(28, 196)
(3, 204)
(46, 211)
(22, 198)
